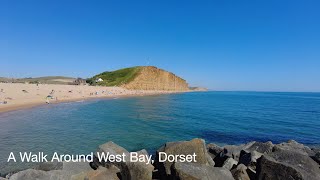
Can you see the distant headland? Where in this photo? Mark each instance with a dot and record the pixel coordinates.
(132, 81)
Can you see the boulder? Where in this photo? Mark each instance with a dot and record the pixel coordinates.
(214, 150)
(67, 170)
(240, 173)
(139, 170)
(233, 151)
(249, 158)
(48, 166)
(128, 170)
(316, 157)
(32, 174)
(230, 163)
(308, 168)
(251, 173)
(270, 169)
(111, 148)
(288, 164)
(76, 167)
(195, 171)
(261, 147)
(196, 146)
(100, 174)
(293, 145)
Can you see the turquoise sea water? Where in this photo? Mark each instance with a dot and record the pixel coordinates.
(148, 122)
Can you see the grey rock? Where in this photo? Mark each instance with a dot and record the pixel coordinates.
(32, 174)
(66, 171)
(249, 158)
(302, 163)
(214, 150)
(293, 145)
(196, 146)
(100, 174)
(48, 166)
(316, 157)
(287, 164)
(233, 151)
(113, 149)
(240, 173)
(128, 170)
(139, 170)
(270, 169)
(194, 171)
(251, 173)
(76, 167)
(230, 163)
(261, 147)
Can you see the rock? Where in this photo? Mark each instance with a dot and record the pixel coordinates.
(316, 157)
(302, 163)
(48, 166)
(76, 167)
(251, 173)
(233, 151)
(261, 147)
(249, 158)
(270, 169)
(100, 174)
(287, 163)
(229, 163)
(139, 170)
(128, 170)
(293, 145)
(66, 171)
(196, 146)
(195, 171)
(219, 160)
(32, 174)
(214, 150)
(1, 178)
(240, 173)
(111, 148)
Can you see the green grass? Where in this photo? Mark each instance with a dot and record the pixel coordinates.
(42, 80)
(115, 78)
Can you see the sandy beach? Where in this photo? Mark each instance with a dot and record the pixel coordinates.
(15, 96)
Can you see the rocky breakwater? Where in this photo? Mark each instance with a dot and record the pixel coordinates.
(254, 160)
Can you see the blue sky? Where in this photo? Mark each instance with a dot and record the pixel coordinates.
(266, 45)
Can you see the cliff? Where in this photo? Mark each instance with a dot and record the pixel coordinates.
(141, 78)
(152, 78)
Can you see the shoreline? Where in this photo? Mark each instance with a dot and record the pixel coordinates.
(18, 100)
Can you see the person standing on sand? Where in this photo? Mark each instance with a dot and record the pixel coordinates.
(47, 100)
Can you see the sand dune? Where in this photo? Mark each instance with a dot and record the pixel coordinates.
(15, 95)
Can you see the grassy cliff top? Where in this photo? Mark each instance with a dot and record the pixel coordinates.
(115, 78)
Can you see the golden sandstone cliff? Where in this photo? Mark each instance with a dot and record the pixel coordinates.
(153, 78)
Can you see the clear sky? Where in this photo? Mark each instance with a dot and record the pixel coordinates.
(268, 45)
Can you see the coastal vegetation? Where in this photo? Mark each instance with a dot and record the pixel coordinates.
(40, 80)
(115, 78)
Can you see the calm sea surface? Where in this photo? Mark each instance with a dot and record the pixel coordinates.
(149, 122)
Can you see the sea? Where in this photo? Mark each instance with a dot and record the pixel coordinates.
(148, 122)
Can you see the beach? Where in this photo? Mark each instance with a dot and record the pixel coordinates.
(15, 96)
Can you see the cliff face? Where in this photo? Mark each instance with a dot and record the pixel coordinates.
(152, 78)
